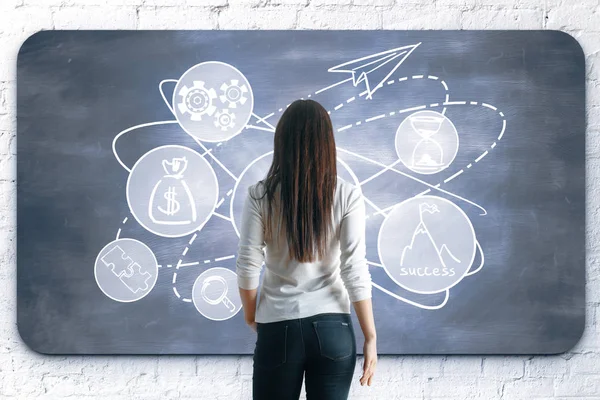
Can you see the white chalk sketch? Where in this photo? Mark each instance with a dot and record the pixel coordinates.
(126, 270)
(180, 206)
(215, 294)
(172, 191)
(435, 248)
(426, 142)
(364, 66)
(426, 243)
(212, 101)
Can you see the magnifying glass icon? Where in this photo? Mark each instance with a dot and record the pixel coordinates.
(222, 298)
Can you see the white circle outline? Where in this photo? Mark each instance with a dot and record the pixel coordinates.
(235, 187)
(459, 278)
(214, 175)
(455, 133)
(224, 138)
(194, 288)
(96, 268)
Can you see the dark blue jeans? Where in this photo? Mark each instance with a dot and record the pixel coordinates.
(321, 347)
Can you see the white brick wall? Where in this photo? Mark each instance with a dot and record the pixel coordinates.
(27, 375)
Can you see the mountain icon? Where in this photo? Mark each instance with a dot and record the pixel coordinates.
(423, 250)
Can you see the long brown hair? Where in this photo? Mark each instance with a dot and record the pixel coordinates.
(304, 167)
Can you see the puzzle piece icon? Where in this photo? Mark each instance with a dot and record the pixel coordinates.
(137, 279)
(129, 272)
(119, 261)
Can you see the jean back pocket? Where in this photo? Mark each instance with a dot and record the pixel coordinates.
(336, 339)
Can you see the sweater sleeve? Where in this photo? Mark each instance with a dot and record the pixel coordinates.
(250, 250)
(354, 269)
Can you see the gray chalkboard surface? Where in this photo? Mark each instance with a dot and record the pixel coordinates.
(135, 150)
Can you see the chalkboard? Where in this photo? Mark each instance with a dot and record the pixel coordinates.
(135, 150)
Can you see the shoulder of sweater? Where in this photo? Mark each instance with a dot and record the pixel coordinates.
(257, 189)
(348, 189)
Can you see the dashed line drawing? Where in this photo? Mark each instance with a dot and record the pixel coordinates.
(481, 156)
(453, 176)
(229, 107)
(375, 118)
(260, 128)
(179, 265)
(409, 110)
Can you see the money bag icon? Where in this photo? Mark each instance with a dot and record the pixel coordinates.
(171, 201)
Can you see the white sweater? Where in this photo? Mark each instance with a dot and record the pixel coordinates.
(291, 289)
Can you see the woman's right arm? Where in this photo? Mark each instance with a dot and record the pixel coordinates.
(364, 312)
(357, 279)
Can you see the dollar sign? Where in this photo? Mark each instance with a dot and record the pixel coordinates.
(173, 205)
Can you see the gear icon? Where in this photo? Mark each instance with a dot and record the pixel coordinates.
(224, 120)
(197, 100)
(233, 93)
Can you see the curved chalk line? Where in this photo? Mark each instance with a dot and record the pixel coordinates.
(180, 262)
(123, 132)
(413, 303)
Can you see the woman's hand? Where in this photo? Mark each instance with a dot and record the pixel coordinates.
(370, 361)
(252, 325)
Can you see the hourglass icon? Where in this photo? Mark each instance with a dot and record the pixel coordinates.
(426, 142)
(428, 153)
(222, 297)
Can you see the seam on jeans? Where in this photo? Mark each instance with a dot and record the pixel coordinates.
(318, 338)
(302, 338)
(285, 345)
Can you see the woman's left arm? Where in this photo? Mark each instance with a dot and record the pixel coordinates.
(250, 257)
(249, 306)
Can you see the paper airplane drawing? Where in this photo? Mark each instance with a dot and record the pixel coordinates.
(362, 67)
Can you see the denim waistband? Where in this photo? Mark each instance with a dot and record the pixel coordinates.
(322, 316)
